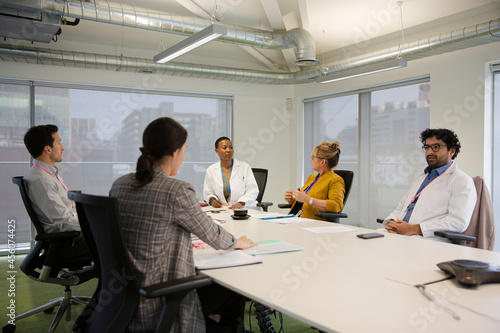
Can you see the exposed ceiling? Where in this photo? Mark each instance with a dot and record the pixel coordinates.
(340, 29)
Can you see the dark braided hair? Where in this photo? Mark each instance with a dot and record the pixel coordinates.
(161, 137)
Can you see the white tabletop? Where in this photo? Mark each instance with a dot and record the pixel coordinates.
(341, 283)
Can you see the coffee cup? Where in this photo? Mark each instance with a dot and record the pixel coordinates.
(240, 212)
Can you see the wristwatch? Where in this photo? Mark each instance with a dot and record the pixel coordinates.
(311, 201)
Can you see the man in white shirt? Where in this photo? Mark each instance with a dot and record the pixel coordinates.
(46, 189)
(442, 197)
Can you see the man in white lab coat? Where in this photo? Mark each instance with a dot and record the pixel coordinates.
(442, 197)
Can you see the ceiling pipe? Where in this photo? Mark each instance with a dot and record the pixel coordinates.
(479, 34)
(304, 42)
(154, 20)
(136, 65)
(471, 36)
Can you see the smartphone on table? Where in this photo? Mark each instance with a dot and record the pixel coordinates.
(370, 235)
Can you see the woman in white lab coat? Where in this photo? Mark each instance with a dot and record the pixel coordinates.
(229, 182)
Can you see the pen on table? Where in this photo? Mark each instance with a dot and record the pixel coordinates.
(276, 217)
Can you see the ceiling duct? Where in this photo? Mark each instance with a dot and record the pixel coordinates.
(24, 19)
(154, 20)
(479, 34)
(475, 35)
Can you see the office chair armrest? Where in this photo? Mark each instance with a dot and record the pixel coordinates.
(287, 205)
(331, 216)
(455, 237)
(55, 236)
(173, 293)
(51, 260)
(177, 286)
(264, 205)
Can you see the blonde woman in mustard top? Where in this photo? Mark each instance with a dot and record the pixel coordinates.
(324, 191)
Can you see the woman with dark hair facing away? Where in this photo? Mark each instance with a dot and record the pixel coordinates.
(229, 182)
(322, 192)
(158, 214)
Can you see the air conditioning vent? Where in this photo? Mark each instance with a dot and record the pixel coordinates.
(23, 20)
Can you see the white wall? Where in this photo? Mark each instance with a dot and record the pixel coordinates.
(262, 130)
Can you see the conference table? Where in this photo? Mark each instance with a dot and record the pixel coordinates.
(341, 283)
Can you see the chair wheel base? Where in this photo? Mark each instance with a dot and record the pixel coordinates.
(9, 328)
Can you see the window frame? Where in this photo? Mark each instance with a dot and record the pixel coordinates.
(362, 178)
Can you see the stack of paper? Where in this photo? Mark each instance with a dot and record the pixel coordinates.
(224, 259)
(272, 246)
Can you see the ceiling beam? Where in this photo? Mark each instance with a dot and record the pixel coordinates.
(195, 9)
(200, 12)
(304, 15)
(275, 18)
(273, 13)
(262, 58)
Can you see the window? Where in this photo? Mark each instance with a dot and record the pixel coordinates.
(378, 131)
(15, 121)
(102, 133)
(335, 119)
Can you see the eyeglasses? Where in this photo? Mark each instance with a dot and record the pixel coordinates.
(314, 156)
(435, 147)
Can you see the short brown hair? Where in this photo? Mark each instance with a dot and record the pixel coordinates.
(38, 137)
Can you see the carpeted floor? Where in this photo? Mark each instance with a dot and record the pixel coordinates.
(29, 294)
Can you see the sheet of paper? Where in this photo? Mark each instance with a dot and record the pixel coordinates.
(219, 221)
(328, 230)
(224, 259)
(272, 246)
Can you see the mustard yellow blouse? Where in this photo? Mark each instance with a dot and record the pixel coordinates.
(329, 187)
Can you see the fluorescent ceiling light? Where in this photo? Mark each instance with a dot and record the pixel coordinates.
(192, 42)
(364, 70)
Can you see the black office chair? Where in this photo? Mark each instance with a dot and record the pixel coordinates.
(42, 264)
(117, 299)
(261, 179)
(347, 176)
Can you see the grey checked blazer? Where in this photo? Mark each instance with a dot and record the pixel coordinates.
(157, 222)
